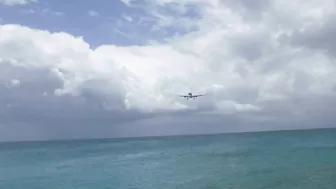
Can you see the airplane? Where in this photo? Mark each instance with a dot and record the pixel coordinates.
(190, 95)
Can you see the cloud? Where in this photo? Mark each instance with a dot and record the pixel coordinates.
(93, 13)
(30, 11)
(17, 2)
(42, 11)
(319, 38)
(155, 20)
(15, 82)
(128, 18)
(126, 2)
(261, 66)
(56, 13)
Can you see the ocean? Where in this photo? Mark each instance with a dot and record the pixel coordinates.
(263, 160)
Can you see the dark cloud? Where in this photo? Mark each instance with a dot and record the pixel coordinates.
(252, 47)
(321, 37)
(31, 110)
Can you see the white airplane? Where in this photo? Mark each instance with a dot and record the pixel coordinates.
(190, 95)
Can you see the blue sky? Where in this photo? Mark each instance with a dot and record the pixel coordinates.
(72, 17)
(99, 21)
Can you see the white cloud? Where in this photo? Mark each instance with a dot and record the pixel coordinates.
(244, 64)
(17, 2)
(56, 13)
(127, 2)
(93, 13)
(15, 82)
(30, 11)
(42, 11)
(128, 18)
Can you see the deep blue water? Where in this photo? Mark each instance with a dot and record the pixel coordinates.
(267, 160)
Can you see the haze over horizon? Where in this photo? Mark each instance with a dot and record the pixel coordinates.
(77, 69)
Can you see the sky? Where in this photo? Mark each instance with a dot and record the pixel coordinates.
(97, 69)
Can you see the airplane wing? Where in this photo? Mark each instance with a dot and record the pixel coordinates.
(197, 95)
(184, 96)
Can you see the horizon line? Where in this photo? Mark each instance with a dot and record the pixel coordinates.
(162, 136)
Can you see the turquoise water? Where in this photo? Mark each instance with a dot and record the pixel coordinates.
(269, 160)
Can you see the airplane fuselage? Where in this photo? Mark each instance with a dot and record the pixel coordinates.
(190, 95)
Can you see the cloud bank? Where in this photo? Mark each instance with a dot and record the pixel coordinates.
(263, 65)
(17, 2)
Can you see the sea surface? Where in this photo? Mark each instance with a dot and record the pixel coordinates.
(265, 160)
